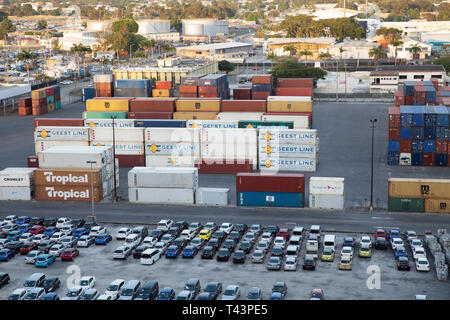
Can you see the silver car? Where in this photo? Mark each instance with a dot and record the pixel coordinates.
(232, 292)
(291, 263)
(258, 256)
(18, 294)
(74, 294)
(122, 252)
(32, 256)
(34, 294)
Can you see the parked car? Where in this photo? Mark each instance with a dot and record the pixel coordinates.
(291, 263)
(96, 230)
(241, 228)
(175, 231)
(345, 263)
(198, 242)
(267, 236)
(23, 219)
(103, 239)
(309, 263)
(211, 226)
(188, 234)
(381, 243)
(17, 294)
(78, 223)
(250, 236)
(418, 252)
(245, 246)
(61, 222)
(77, 233)
(349, 242)
(258, 256)
(227, 227)
(277, 252)
(316, 294)
(14, 246)
(114, 288)
(181, 224)
(27, 247)
(69, 254)
(396, 242)
(280, 287)
(284, 233)
(365, 251)
(90, 294)
(327, 254)
(205, 234)
(161, 246)
(36, 221)
(122, 252)
(189, 252)
(238, 256)
(122, 233)
(214, 289)
(74, 293)
(150, 256)
(32, 256)
(85, 241)
(403, 264)
(195, 226)
(180, 242)
(87, 282)
(232, 292)
(50, 222)
(173, 251)
(51, 284)
(57, 249)
(273, 229)
(208, 252)
(50, 296)
(256, 229)
(34, 294)
(400, 252)
(69, 241)
(223, 254)
(254, 293)
(184, 295)
(274, 263)
(49, 231)
(193, 286)
(148, 291)
(4, 279)
(422, 264)
(164, 225)
(166, 294)
(6, 254)
(347, 251)
(365, 240)
(44, 260)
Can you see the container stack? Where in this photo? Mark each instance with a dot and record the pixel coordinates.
(326, 193)
(172, 147)
(17, 184)
(257, 124)
(152, 108)
(300, 120)
(197, 109)
(56, 122)
(133, 88)
(87, 93)
(163, 89)
(424, 94)
(270, 190)
(214, 86)
(103, 85)
(242, 94)
(105, 108)
(416, 93)
(46, 137)
(289, 104)
(162, 185)
(419, 195)
(443, 96)
(262, 86)
(39, 102)
(25, 106)
(254, 116)
(288, 150)
(302, 87)
(244, 105)
(189, 86)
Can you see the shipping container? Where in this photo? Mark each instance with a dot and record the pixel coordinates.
(150, 115)
(54, 122)
(171, 161)
(441, 146)
(108, 123)
(295, 82)
(419, 188)
(124, 134)
(299, 122)
(244, 105)
(122, 147)
(429, 159)
(326, 201)
(114, 105)
(103, 78)
(437, 205)
(16, 193)
(195, 115)
(191, 80)
(294, 164)
(195, 105)
(162, 93)
(442, 116)
(161, 195)
(148, 123)
(417, 158)
(163, 84)
(394, 117)
(213, 196)
(188, 89)
(104, 115)
(67, 193)
(406, 204)
(72, 177)
(225, 166)
(212, 124)
(266, 124)
(130, 160)
(213, 80)
(288, 151)
(75, 157)
(262, 78)
(302, 92)
(33, 162)
(241, 94)
(393, 158)
(61, 133)
(261, 95)
(283, 137)
(17, 177)
(417, 133)
(395, 133)
(145, 177)
(158, 135)
(263, 182)
(40, 146)
(229, 150)
(271, 199)
(405, 146)
(441, 160)
(183, 149)
(240, 116)
(399, 98)
(229, 136)
(261, 87)
(328, 186)
(289, 106)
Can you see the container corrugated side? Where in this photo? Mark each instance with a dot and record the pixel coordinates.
(161, 195)
(17, 177)
(294, 164)
(326, 201)
(170, 161)
(121, 134)
(173, 149)
(239, 116)
(195, 105)
(40, 146)
(68, 193)
(325, 185)
(107, 105)
(213, 124)
(229, 151)
(74, 177)
(108, 123)
(195, 115)
(158, 135)
(271, 199)
(283, 137)
(16, 193)
(406, 204)
(288, 151)
(229, 136)
(300, 122)
(263, 182)
(437, 205)
(419, 188)
(148, 177)
(289, 106)
(213, 196)
(122, 148)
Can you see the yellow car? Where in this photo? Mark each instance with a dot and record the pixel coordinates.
(346, 263)
(205, 234)
(327, 254)
(365, 252)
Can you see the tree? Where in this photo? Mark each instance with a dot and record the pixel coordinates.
(6, 26)
(324, 56)
(305, 53)
(42, 24)
(377, 53)
(27, 57)
(292, 69)
(341, 51)
(396, 43)
(56, 45)
(415, 50)
(444, 61)
(225, 65)
(291, 49)
(389, 34)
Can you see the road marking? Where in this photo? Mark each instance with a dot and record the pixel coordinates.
(382, 218)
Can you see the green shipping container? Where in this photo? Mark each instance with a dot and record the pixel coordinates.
(50, 99)
(406, 204)
(104, 115)
(266, 124)
(57, 105)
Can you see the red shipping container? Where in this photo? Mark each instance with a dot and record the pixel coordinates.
(399, 98)
(262, 79)
(261, 95)
(188, 95)
(441, 146)
(152, 105)
(55, 122)
(25, 111)
(208, 96)
(127, 161)
(244, 105)
(49, 91)
(215, 166)
(301, 92)
(405, 145)
(207, 90)
(33, 162)
(150, 115)
(242, 94)
(188, 89)
(394, 134)
(57, 97)
(394, 117)
(295, 82)
(36, 103)
(409, 100)
(267, 182)
(429, 159)
(163, 84)
(25, 102)
(435, 83)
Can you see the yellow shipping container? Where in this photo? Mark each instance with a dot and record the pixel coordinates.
(289, 106)
(437, 205)
(209, 105)
(50, 107)
(38, 94)
(107, 105)
(161, 93)
(419, 188)
(195, 115)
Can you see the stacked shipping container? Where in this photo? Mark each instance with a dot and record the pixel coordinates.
(17, 183)
(189, 86)
(103, 85)
(45, 100)
(46, 137)
(25, 106)
(302, 87)
(87, 93)
(262, 86)
(163, 89)
(133, 88)
(214, 86)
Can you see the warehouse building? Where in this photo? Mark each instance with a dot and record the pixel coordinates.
(352, 49)
(315, 45)
(216, 51)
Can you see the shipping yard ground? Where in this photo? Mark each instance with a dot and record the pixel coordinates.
(345, 147)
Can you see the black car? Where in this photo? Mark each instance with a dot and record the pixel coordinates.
(239, 256)
(149, 291)
(219, 234)
(181, 224)
(36, 220)
(223, 254)
(3, 234)
(245, 246)
(277, 252)
(215, 243)
(45, 245)
(381, 244)
(78, 223)
(156, 233)
(403, 264)
(14, 246)
(4, 279)
(180, 242)
(280, 287)
(214, 289)
(273, 230)
(309, 263)
(51, 284)
(174, 231)
(229, 244)
(241, 227)
(235, 235)
(50, 222)
(208, 252)
(138, 251)
(89, 225)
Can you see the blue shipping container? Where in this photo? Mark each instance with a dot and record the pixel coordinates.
(149, 123)
(418, 116)
(394, 146)
(417, 133)
(429, 116)
(271, 199)
(213, 80)
(441, 160)
(417, 146)
(406, 115)
(429, 133)
(417, 159)
(393, 158)
(262, 87)
(444, 93)
(430, 94)
(405, 132)
(441, 133)
(408, 88)
(442, 116)
(429, 146)
(133, 84)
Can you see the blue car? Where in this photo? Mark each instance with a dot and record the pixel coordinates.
(49, 231)
(394, 233)
(6, 254)
(166, 294)
(78, 232)
(172, 252)
(277, 296)
(44, 260)
(50, 296)
(22, 220)
(189, 252)
(103, 239)
(400, 252)
(14, 235)
(25, 227)
(349, 242)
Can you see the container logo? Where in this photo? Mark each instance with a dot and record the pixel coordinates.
(268, 149)
(193, 125)
(249, 126)
(52, 193)
(268, 136)
(268, 163)
(424, 189)
(92, 124)
(49, 177)
(44, 133)
(154, 148)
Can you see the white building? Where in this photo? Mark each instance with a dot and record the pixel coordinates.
(335, 13)
(352, 49)
(170, 37)
(87, 38)
(403, 52)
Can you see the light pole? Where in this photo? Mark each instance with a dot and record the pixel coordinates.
(372, 126)
(92, 191)
(337, 80)
(114, 197)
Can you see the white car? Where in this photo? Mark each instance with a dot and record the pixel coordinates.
(188, 234)
(95, 231)
(256, 228)
(226, 227)
(69, 241)
(57, 249)
(104, 297)
(410, 234)
(347, 251)
(87, 282)
(26, 237)
(68, 229)
(263, 245)
(114, 289)
(34, 294)
(365, 241)
(62, 222)
(195, 226)
(418, 252)
(39, 238)
(279, 242)
(122, 252)
(31, 257)
(250, 236)
(416, 243)
(57, 236)
(232, 292)
(292, 250)
(18, 294)
(85, 241)
(123, 233)
(397, 242)
(10, 219)
(66, 82)
(132, 240)
(167, 238)
(4, 242)
(267, 236)
(422, 264)
(164, 225)
(161, 246)
(150, 256)
(149, 241)
(291, 263)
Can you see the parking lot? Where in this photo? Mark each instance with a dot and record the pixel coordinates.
(337, 284)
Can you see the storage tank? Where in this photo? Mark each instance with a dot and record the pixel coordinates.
(98, 25)
(205, 27)
(153, 26)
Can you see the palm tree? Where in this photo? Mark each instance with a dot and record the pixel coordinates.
(396, 43)
(341, 51)
(291, 49)
(324, 56)
(28, 57)
(305, 53)
(377, 53)
(415, 50)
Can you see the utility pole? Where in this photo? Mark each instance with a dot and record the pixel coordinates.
(114, 198)
(92, 191)
(372, 126)
(337, 80)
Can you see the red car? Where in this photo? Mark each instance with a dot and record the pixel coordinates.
(283, 233)
(27, 247)
(37, 229)
(68, 254)
(380, 233)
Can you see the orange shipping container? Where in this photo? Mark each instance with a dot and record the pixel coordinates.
(66, 177)
(163, 84)
(67, 193)
(437, 205)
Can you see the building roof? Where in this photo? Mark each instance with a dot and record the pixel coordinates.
(321, 40)
(412, 68)
(384, 73)
(217, 46)
(356, 44)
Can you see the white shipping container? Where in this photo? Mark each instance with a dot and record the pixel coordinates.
(229, 151)
(238, 159)
(300, 122)
(405, 159)
(159, 177)
(121, 134)
(239, 116)
(75, 157)
(158, 135)
(326, 201)
(17, 177)
(213, 124)
(288, 151)
(213, 196)
(168, 161)
(40, 145)
(161, 195)
(122, 148)
(103, 78)
(108, 123)
(61, 133)
(283, 137)
(229, 136)
(174, 149)
(289, 98)
(16, 193)
(287, 164)
(325, 185)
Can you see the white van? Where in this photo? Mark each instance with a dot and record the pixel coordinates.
(132, 240)
(329, 241)
(315, 229)
(312, 248)
(292, 250)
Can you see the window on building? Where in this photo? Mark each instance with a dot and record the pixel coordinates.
(403, 77)
(437, 76)
(421, 77)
